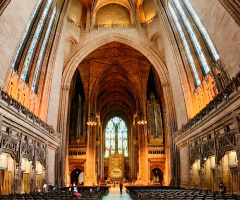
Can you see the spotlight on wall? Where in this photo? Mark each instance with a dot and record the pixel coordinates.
(204, 159)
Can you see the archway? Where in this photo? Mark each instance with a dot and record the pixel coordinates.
(75, 176)
(6, 173)
(156, 176)
(154, 59)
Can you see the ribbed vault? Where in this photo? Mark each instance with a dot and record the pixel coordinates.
(115, 79)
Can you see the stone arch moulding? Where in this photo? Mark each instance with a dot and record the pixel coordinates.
(157, 166)
(77, 166)
(85, 50)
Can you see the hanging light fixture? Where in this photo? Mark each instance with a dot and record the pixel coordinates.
(142, 121)
(91, 121)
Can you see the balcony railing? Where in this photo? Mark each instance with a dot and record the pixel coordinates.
(80, 25)
(149, 21)
(156, 152)
(77, 146)
(155, 145)
(18, 107)
(113, 25)
(76, 153)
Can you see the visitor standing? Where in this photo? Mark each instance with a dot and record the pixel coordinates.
(222, 188)
(121, 187)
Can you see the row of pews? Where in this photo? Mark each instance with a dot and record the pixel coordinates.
(87, 192)
(173, 193)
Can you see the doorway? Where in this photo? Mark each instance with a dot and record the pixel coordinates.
(75, 176)
(157, 176)
(6, 182)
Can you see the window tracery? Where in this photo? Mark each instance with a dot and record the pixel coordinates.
(116, 127)
(189, 55)
(42, 50)
(193, 37)
(202, 29)
(25, 34)
(35, 39)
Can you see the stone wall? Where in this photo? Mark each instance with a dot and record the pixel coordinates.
(75, 11)
(112, 13)
(13, 23)
(223, 30)
(149, 9)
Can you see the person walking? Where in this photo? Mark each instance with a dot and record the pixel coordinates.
(121, 187)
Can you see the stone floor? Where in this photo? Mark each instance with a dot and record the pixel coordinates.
(114, 193)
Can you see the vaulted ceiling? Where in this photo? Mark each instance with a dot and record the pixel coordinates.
(115, 80)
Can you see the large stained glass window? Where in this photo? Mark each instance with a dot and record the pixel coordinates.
(193, 36)
(189, 55)
(116, 133)
(35, 39)
(26, 32)
(42, 50)
(202, 29)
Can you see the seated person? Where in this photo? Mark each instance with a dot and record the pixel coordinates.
(76, 194)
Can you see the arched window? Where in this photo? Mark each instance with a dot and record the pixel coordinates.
(25, 34)
(32, 46)
(35, 39)
(193, 36)
(116, 137)
(42, 51)
(189, 55)
(202, 29)
(182, 7)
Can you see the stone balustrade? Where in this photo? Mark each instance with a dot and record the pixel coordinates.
(219, 101)
(18, 107)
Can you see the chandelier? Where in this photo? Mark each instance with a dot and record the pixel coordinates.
(142, 121)
(91, 122)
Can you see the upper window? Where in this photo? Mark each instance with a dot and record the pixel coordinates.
(202, 29)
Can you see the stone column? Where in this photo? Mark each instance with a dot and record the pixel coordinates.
(18, 179)
(33, 178)
(88, 21)
(79, 119)
(1, 118)
(138, 21)
(90, 162)
(143, 154)
(102, 150)
(84, 122)
(116, 138)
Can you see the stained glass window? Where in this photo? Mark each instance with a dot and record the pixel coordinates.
(42, 50)
(189, 55)
(35, 39)
(26, 32)
(193, 36)
(116, 124)
(202, 29)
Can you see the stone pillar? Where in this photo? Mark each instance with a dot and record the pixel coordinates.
(143, 154)
(84, 122)
(18, 179)
(102, 150)
(116, 138)
(79, 119)
(88, 21)
(138, 21)
(238, 173)
(90, 162)
(33, 178)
